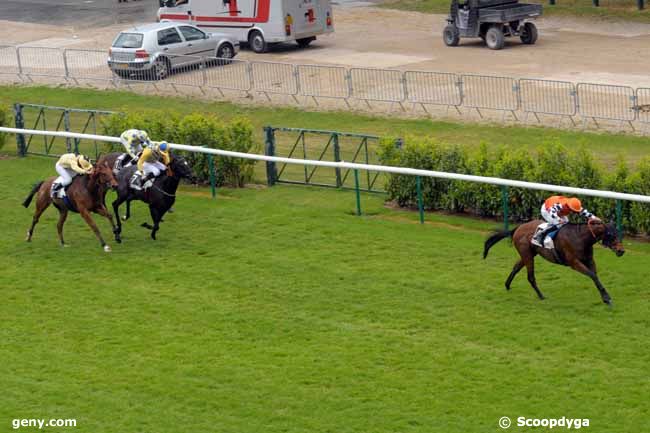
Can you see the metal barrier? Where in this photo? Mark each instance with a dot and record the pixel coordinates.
(492, 93)
(280, 78)
(385, 85)
(643, 105)
(601, 101)
(436, 88)
(65, 119)
(42, 62)
(227, 74)
(321, 146)
(87, 65)
(9, 64)
(547, 97)
(323, 81)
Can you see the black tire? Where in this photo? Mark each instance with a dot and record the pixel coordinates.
(304, 42)
(161, 69)
(451, 35)
(529, 34)
(257, 42)
(494, 38)
(224, 53)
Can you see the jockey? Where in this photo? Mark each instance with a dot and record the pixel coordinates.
(556, 211)
(153, 161)
(68, 166)
(133, 141)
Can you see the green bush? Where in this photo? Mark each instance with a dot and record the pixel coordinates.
(196, 130)
(552, 164)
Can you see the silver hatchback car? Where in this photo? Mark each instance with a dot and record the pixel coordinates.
(153, 51)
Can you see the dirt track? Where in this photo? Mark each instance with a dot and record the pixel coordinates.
(567, 50)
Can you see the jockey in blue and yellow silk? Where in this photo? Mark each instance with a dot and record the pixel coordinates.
(134, 141)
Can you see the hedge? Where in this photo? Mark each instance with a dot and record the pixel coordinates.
(552, 163)
(196, 130)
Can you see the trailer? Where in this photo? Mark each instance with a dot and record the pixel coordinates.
(259, 23)
(492, 21)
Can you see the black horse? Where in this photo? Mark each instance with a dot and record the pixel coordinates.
(574, 247)
(160, 196)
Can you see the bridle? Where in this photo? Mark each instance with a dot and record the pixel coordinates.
(591, 229)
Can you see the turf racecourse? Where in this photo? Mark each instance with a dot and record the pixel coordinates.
(278, 310)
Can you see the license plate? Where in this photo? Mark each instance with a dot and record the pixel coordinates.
(122, 65)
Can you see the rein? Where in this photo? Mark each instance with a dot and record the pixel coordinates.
(161, 191)
(591, 230)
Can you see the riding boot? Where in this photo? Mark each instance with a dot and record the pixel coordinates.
(540, 235)
(56, 187)
(145, 179)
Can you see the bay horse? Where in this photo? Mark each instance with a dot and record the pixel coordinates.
(160, 196)
(85, 194)
(573, 247)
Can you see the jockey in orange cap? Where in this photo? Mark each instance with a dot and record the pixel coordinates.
(555, 212)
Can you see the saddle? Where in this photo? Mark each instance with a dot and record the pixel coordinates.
(61, 194)
(136, 184)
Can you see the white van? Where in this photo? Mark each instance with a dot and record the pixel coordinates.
(257, 22)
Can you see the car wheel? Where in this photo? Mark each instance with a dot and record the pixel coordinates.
(529, 34)
(494, 38)
(256, 42)
(224, 52)
(304, 42)
(161, 69)
(451, 36)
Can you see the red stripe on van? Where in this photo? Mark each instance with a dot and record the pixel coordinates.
(174, 17)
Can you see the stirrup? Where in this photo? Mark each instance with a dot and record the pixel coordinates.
(536, 242)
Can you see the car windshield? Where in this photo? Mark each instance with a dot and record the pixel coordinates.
(129, 40)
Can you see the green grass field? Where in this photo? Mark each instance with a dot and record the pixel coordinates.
(609, 10)
(279, 310)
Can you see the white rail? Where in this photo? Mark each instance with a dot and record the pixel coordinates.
(355, 166)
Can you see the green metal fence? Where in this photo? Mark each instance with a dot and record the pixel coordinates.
(322, 146)
(45, 117)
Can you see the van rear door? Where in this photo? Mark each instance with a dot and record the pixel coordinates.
(308, 18)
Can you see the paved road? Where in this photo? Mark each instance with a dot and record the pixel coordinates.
(78, 12)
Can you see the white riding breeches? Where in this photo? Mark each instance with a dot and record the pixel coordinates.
(155, 168)
(556, 221)
(65, 175)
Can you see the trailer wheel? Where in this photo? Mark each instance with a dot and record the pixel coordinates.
(451, 35)
(529, 34)
(257, 42)
(494, 38)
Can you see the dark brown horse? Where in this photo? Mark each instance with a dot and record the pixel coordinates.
(85, 193)
(573, 247)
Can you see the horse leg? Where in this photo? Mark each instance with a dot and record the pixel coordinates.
(42, 202)
(156, 216)
(89, 220)
(63, 214)
(128, 210)
(530, 266)
(116, 210)
(515, 270)
(106, 214)
(591, 273)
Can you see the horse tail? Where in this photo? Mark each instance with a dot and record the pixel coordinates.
(35, 189)
(496, 237)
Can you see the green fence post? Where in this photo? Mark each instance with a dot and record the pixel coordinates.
(506, 205)
(356, 188)
(66, 127)
(269, 150)
(640, 4)
(337, 158)
(596, 2)
(19, 121)
(213, 178)
(420, 203)
(619, 218)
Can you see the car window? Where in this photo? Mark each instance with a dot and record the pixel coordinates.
(168, 36)
(128, 40)
(191, 34)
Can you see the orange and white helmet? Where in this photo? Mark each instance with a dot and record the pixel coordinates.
(574, 204)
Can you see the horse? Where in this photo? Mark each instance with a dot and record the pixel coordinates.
(160, 196)
(85, 194)
(573, 247)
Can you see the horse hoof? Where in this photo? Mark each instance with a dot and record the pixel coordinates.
(107, 248)
(118, 240)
